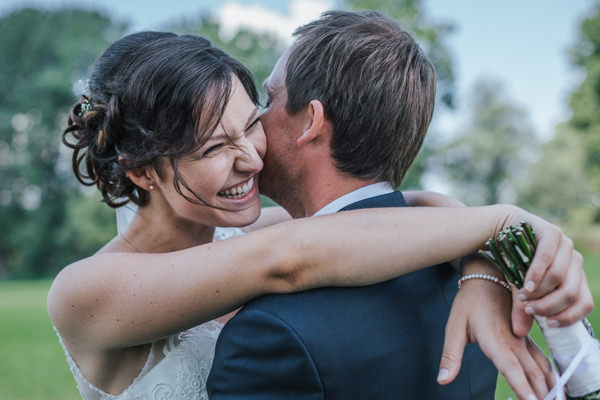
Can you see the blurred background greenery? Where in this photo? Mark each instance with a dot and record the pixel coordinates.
(50, 220)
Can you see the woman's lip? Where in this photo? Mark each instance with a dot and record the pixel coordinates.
(249, 196)
(238, 184)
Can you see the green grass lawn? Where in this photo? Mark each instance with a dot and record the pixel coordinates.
(33, 364)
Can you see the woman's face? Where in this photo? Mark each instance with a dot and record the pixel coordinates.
(224, 171)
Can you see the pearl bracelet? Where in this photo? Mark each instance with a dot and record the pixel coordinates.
(487, 277)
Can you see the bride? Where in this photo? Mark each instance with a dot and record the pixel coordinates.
(171, 125)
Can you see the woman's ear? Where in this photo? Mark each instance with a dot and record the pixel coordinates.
(316, 122)
(142, 178)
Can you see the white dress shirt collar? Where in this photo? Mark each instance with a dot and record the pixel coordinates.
(365, 192)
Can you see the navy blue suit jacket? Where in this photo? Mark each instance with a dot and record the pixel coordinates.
(382, 341)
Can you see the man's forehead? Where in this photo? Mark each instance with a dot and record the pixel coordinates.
(277, 77)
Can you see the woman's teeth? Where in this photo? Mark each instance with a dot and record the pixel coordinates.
(239, 191)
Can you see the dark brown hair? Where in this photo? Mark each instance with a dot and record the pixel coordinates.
(152, 95)
(376, 85)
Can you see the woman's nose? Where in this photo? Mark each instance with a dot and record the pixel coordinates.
(249, 159)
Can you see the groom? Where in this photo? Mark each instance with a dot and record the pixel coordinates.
(349, 106)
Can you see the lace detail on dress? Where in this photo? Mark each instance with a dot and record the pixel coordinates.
(86, 388)
(226, 233)
(194, 368)
(177, 369)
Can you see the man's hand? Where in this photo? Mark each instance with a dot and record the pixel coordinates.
(481, 314)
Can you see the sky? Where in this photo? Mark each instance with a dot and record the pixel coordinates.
(522, 43)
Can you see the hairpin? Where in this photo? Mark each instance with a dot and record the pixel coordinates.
(85, 106)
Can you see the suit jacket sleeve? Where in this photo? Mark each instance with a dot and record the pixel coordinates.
(258, 356)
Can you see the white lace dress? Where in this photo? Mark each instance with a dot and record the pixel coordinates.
(177, 367)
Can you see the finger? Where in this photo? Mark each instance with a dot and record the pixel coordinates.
(577, 311)
(536, 376)
(551, 305)
(510, 367)
(548, 237)
(521, 321)
(564, 297)
(499, 348)
(542, 361)
(564, 261)
(455, 341)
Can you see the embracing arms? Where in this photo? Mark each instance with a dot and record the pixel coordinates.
(114, 300)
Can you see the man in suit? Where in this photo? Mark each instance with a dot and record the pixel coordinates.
(349, 106)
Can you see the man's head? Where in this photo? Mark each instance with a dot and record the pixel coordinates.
(374, 84)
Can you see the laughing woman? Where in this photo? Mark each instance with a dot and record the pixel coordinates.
(171, 125)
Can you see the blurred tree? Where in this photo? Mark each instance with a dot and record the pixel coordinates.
(485, 162)
(555, 185)
(585, 101)
(258, 51)
(45, 53)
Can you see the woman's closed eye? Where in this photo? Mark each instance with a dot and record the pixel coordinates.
(253, 125)
(212, 149)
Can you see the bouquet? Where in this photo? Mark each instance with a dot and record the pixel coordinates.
(574, 349)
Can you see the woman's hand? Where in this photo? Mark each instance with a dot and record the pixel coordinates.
(481, 314)
(555, 285)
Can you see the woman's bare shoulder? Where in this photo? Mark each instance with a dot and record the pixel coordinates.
(79, 285)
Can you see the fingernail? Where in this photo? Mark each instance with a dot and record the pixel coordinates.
(553, 323)
(529, 310)
(522, 297)
(443, 374)
(529, 285)
(531, 397)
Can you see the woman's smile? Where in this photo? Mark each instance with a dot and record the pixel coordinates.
(241, 191)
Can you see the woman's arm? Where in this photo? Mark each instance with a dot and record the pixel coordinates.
(114, 300)
(277, 214)
(562, 291)
(417, 198)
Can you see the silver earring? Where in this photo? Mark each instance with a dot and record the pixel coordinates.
(151, 187)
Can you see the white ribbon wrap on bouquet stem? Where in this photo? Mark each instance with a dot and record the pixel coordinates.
(577, 355)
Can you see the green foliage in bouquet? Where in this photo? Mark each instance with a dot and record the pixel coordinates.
(512, 250)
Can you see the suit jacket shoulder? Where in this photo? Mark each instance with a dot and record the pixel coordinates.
(373, 342)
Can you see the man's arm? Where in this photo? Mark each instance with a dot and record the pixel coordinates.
(258, 356)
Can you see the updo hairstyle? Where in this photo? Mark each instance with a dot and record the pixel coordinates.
(152, 95)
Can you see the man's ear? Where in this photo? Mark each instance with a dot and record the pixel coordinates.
(316, 122)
